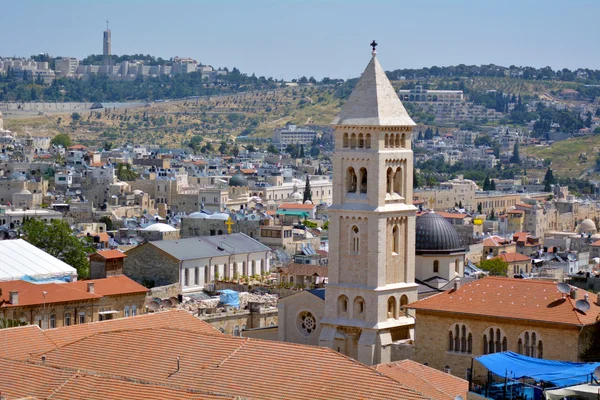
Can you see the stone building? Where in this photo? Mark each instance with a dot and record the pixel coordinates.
(105, 263)
(494, 314)
(371, 262)
(195, 261)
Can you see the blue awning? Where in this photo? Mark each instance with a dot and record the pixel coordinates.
(516, 366)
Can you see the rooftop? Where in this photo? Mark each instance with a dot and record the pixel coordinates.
(527, 299)
(20, 259)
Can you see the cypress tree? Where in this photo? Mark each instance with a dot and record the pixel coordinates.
(486, 184)
(307, 192)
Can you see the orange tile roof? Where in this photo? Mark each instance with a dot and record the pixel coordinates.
(596, 243)
(144, 350)
(24, 341)
(111, 254)
(524, 205)
(103, 236)
(528, 299)
(96, 164)
(248, 170)
(495, 241)
(513, 257)
(516, 212)
(296, 207)
(77, 147)
(425, 380)
(111, 286)
(31, 294)
(451, 215)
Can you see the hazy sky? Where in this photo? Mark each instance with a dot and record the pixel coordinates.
(287, 39)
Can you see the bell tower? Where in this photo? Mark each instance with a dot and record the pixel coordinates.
(372, 223)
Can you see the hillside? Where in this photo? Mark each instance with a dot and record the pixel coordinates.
(574, 158)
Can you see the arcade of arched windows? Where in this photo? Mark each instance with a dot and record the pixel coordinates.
(530, 344)
(494, 341)
(357, 177)
(395, 178)
(356, 141)
(394, 141)
(398, 227)
(460, 339)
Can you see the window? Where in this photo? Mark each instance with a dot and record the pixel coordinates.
(495, 341)
(395, 240)
(391, 308)
(447, 369)
(359, 307)
(355, 239)
(133, 310)
(353, 141)
(530, 344)
(126, 311)
(457, 266)
(398, 182)
(306, 323)
(460, 339)
(436, 266)
(53, 321)
(186, 277)
(389, 181)
(363, 180)
(197, 276)
(368, 140)
(342, 305)
(67, 319)
(386, 141)
(361, 141)
(345, 140)
(351, 180)
(236, 331)
(82, 318)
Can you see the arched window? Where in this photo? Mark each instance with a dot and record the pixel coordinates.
(397, 140)
(496, 342)
(527, 343)
(530, 344)
(533, 344)
(450, 341)
(504, 344)
(390, 180)
(403, 300)
(491, 344)
(197, 276)
(186, 277)
(236, 331)
(457, 338)
(368, 141)
(361, 141)
(457, 266)
(359, 307)
(436, 266)
(391, 308)
(342, 305)
(206, 273)
(520, 346)
(403, 141)
(363, 180)
(345, 140)
(291, 279)
(485, 345)
(398, 181)
(387, 141)
(392, 143)
(353, 141)
(395, 239)
(470, 344)
(540, 349)
(463, 339)
(351, 180)
(355, 239)
(447, 369)
(244, 269)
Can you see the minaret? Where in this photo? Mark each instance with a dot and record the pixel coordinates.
(106, 45)
(372, 223)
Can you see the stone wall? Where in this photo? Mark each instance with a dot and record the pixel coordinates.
(165, 292)
(431, 340)
(227, 322)
(203, 227)
(281, 292)
(147, 263)
(404, 350)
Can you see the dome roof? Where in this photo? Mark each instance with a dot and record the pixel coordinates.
(24, 191)
(199, 215)
(586, 226)
(220, 216)
(296, 196)
(435, 233)
(159, 227)
(238, 180)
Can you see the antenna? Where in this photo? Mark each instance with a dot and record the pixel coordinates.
(106, 24)
(564, 288)
(571, 257)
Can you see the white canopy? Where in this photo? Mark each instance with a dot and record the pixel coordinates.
(585, 391)
(21, 259)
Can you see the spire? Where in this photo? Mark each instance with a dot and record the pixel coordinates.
(374, 101)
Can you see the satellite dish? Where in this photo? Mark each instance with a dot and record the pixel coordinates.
(572, 257)
(564, 288)
(582, 305)
(166, 303)
(153, 305)
(597, 372)
(458, 398)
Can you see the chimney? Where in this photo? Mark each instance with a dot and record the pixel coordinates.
(456, 284)
(90, 287)
(43, 359)
(13, 297)
(573, 293)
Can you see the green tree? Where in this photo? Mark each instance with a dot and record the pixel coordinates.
(479, 208)
(250, 148)
(57, 239)
(486, 183)
(307, 195)
(548, 180)
(108, 222)
(516, 158)
(492, 185)
(125, 172)
(272, 149)
(301, 154)
(75, 116)
(62, 139)
(417, 181)
(495, 266)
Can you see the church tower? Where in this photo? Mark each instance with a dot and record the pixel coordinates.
(372, 223)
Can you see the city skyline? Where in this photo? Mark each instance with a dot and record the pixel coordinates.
(287, 40)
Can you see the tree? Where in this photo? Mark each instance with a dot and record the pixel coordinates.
(417, 181)
(307, 192)
(57, 239)
(125, 172)
(486, 184)
(479, 208)
(301, 155)
(272, 149)
(108, 222)
(492, 185)
(492, 216)
(250, 148)
(75, 116)
(62, 139)
(548, 180)
(495, 266)
(515, 159)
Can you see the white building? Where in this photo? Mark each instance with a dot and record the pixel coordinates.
(292, 134)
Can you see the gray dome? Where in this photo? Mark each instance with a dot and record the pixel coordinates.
(435, 233)
(238, 180)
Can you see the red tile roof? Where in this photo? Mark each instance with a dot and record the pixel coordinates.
(513, 257)
(451, 215)
(111, 254)
(145, 350)
(495, 241)
(425, 380)
(596, 243)
(297, 206)
(111, 286)
(32, 294)
(528, 299)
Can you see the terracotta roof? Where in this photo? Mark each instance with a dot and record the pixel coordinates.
(111, 286)
(103, 236)
(513, 257)
(77, 147)
(449, 215)
(516, 212)
(111, 254)
(425, 380)
(24, 341)
(524, 205)
(96, 164)
(527, 299)
(32, 294)
(596, 243)
(304, 269)
(144, 350)
(296, 207)
(495, 241)
(248, 170)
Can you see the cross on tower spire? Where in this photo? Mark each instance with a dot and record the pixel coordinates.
(373, 45)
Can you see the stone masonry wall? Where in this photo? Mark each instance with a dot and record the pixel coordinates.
(147, 263)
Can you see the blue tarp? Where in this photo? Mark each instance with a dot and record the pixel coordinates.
(230, 297)
(516, 366)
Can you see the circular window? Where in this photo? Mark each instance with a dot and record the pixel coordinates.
(306, 323)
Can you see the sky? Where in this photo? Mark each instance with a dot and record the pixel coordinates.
(287, 39)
